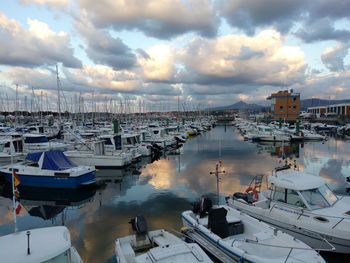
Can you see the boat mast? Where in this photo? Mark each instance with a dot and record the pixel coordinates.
(13, 192)
(217, 173)
(58, 95)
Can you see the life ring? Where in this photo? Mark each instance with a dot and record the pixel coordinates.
(255, 193)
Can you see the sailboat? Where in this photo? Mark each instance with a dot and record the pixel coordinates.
(41, 245)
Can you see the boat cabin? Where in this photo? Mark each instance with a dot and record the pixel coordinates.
(112, 141)
(301, 190)
(35, 138)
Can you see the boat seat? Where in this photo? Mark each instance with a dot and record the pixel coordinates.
(230, 220)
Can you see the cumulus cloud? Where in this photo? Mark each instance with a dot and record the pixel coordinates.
(333, 57)
(98, 78)
(158, 63)
(59, 4)
(334, 85)
(102, 48)
(234, 60)
(38, 45)
(161, 19)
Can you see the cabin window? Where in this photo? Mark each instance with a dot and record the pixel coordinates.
(319, 197)
(40, 139)
(294, 199)
(108, 141)
(279, 194)
(288, 196)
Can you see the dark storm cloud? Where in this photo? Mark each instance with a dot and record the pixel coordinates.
(322, 29)
(316, 17)
(36, 46)
(102, 48)
(248, 15)
(161, 19)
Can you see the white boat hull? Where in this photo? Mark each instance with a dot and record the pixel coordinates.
(99, 161)
(312, 238)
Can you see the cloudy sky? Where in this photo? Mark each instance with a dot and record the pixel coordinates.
(153, 52)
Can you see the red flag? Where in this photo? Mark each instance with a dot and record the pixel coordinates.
(18, 207)
(16, 179)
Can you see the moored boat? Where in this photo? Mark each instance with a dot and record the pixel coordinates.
(156, 246)
(50, 169)
(41, 245)
(244, 238)
(302, 205)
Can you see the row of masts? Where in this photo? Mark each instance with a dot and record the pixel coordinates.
(80, 104)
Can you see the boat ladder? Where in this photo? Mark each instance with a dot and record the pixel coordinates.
(193, 235)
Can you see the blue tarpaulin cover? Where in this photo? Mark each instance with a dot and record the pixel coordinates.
(34, 157)
(53, 160)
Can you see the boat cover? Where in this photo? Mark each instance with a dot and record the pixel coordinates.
(53, 160)
(34, 157)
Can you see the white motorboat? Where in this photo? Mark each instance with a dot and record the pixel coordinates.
(132, 141)
(302, 205)
(41, 245)
(114, 144)
(159, 136)
(156, 246)
(39, 142)
(100, 158)
(11, 149)
(246, 239)
(312, 136)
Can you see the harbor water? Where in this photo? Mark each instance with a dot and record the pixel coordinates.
(161, 189)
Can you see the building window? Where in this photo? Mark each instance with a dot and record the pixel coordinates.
(281, 108)
(294, 108)
(294, 98)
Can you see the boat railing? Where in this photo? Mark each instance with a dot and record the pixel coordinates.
(324, 241)
(325, 217)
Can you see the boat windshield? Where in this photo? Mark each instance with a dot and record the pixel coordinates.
(321, 197)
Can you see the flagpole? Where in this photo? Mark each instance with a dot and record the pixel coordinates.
(13, 192)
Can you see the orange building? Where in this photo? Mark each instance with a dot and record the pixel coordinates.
(285, 105)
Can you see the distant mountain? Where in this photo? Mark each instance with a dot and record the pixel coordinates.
(304, 104)
(241, 105)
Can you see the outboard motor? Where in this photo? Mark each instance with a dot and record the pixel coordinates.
(156, 147)
(202, 207)
(139, 224)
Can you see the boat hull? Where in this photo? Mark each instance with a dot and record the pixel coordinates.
(312, 238)
(100, 162)
(81, 181)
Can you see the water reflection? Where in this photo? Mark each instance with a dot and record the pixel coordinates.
(161, 189)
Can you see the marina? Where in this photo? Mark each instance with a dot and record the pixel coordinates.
(162, 187)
